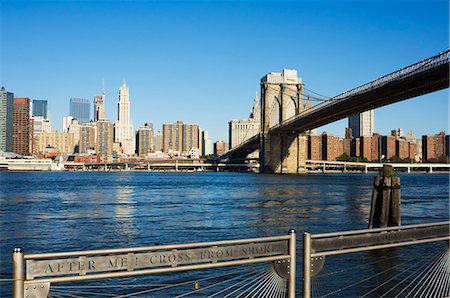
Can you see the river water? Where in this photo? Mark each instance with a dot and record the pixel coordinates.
(51, 211)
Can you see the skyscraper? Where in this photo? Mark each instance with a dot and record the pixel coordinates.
(22, 130)
(242, 130)
(6, 120)
(207, 145)
(124, 126)
(105, 138)
(362, 124)
(173, 137)
(144, 139)
(99, 107)
(80, 109)
(40, 108)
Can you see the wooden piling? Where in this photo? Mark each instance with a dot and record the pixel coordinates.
(385, 205)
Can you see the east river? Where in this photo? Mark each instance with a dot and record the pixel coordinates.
(53, 211)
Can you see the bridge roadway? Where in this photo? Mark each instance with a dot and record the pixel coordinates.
(424, 77)
(344, 166)
(162, 165)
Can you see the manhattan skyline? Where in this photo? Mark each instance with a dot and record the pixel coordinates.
(202, 62)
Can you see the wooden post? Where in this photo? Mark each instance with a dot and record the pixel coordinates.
(373, 207)
(385, 206)
(395, 216)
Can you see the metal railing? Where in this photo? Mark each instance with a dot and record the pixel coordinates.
(317, 247)
(33, 273)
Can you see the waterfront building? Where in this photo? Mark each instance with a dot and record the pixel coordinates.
(332, 147)
(80, 109)
(388, 148)
(144, 139)
(173, 137)
(105, 138)
(62, 142)
(314, 147)
(362, 124)
(124, 126)
(242, 130)
(74, 128)
(22, 126)
(433, 147)
(375, 147)
(158, 141)
(220, 148)
(88, 137)
(99, 107)
(366, 147)
(40, 125)
(67, 120)
(6, 120)
(39, 108)
(402, 148)
(207, 145)
(190, 137)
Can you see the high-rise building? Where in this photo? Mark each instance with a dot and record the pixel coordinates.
(40, 108)
(173, 137)
(220, 148)
(66, 122)
(433, 147)
(362, 124)
(74, 128)
(105, 138)
(62, 142)
(22, 126)
(158, 141)
(124, 125)
(88, 136)
(40, 125)
(99, 107)
(190, 137)
(6, 120)
(144, 139)
(80, 109)
(242, 130)
(207, 145)
(181, 138)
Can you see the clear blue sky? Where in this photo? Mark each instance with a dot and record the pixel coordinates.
(201, 62)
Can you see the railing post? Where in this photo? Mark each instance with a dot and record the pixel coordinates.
(306, 265)
(292, 269)
(18, 273)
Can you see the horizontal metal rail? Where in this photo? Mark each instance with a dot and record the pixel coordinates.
(36, 272)
(148, 248)
(318, 246)
(156, 270)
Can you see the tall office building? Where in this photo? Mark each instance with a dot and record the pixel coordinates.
(124, 125)
(99, 107)
(158, 141)
(62, 142)
(105, 138)
(88, 137)
(80, 109)
(22, 126)
(173, 137)
(39, 108)
(242, 130)
(362, 124)
(190, 137)
(6, 120)
(144, 139)
(207, 145)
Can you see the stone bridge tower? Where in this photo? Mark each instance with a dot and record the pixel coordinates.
(281, 99)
